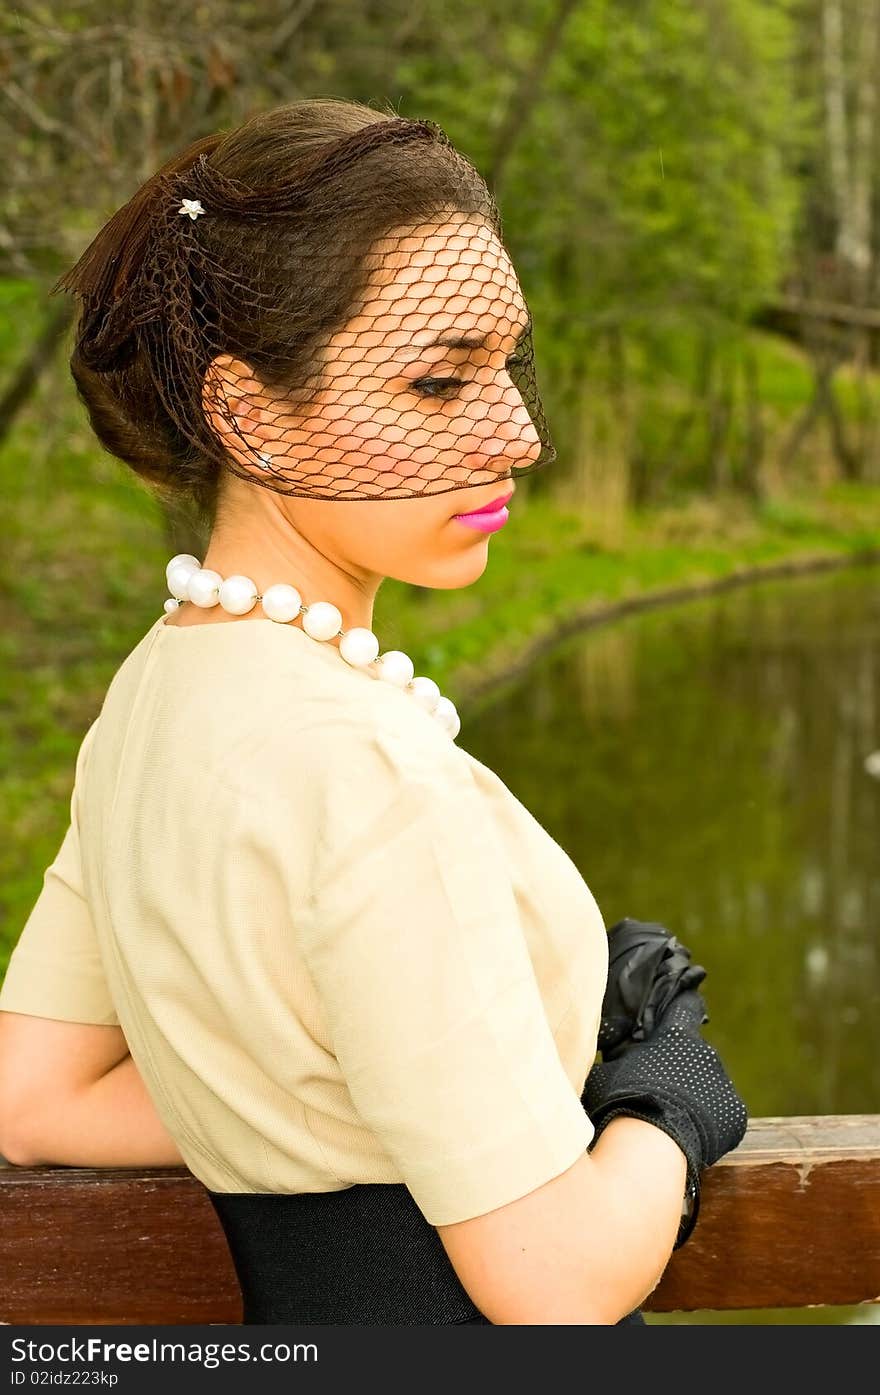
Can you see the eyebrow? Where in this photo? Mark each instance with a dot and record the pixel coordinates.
(450, 339)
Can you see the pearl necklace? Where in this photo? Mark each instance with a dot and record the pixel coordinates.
(188, 580)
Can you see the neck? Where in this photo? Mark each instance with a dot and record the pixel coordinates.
(275, 551)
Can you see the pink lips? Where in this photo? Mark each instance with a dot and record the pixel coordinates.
(493, 507)
(487, 519)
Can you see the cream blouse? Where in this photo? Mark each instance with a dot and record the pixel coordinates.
(340, 949)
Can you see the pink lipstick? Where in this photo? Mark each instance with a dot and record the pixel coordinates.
(489, 518)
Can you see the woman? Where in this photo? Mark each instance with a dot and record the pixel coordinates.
(361, 985)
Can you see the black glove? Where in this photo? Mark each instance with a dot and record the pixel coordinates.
(647, 968)
(675, 1080)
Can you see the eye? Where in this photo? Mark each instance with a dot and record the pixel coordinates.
(437, 387)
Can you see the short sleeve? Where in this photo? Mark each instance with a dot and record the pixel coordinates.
(416, 947)
(55, 968)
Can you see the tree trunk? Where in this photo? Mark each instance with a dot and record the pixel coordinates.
(861, 202)
(848, 459)
(835, 119)
(753, 455)
(720, 412)
(525, 95)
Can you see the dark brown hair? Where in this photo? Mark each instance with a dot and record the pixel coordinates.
(296, 196)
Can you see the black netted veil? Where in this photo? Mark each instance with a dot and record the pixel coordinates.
(426, 383)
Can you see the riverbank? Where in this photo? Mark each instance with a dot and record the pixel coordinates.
(550, 574)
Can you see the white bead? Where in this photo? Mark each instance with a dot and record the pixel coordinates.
(182, 560)
(322, 620)
(203, 588)
(395, 667)
(426, 693)
(359, 647)
(446, 714)
(188, 580)
(238, 594)
(282, 602)
(178, 578)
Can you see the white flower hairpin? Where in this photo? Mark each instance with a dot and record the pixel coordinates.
(191, 207)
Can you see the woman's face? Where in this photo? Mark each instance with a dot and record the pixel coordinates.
(415, 395)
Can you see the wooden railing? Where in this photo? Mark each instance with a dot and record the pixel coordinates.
(790, 1219)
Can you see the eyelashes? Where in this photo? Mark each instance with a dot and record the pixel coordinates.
(449, 387)
(438, 387)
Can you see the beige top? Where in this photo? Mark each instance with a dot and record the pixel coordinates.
(340, 949)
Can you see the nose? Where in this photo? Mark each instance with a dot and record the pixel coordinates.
(522, 440)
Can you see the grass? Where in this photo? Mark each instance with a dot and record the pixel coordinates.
(547, 565)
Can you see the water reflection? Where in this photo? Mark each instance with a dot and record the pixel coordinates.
(709, 766)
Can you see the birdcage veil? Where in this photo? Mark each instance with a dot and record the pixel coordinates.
(404, 367)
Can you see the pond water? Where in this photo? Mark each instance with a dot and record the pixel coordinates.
(709, 766)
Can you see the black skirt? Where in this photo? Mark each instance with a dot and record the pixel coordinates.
(362, 1256)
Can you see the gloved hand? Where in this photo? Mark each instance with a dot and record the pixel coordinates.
(675, 1080)
(647, 968)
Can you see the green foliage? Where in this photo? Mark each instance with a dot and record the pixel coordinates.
(653, 184)
(651, 161)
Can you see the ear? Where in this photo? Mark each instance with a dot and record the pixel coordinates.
(232, 397)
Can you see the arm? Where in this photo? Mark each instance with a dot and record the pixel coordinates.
(71, 1094)
(414, 937)
(593, 1243)
(587, 1246)
(69, 1091)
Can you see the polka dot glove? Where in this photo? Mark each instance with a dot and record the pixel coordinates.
(675, 1080)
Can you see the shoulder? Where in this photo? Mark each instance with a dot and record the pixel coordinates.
(378, 738)
(328, 710)
(333, 761)
(357, 791)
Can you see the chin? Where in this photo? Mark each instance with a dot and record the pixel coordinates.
(463, 570)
